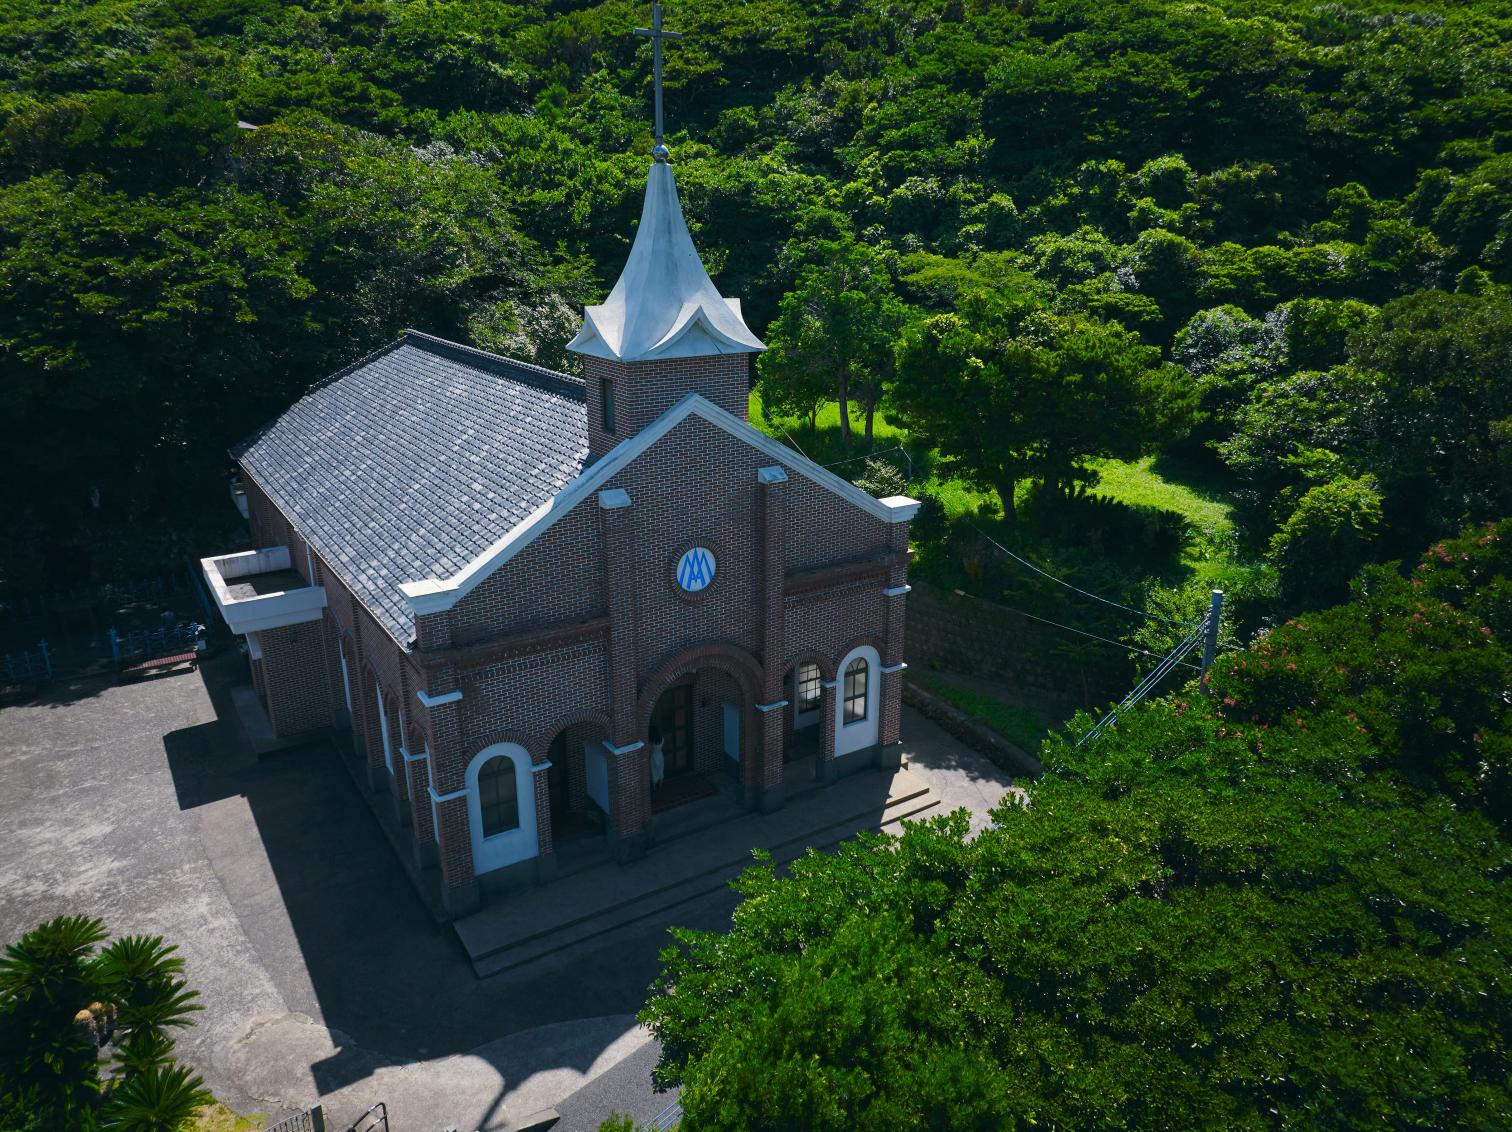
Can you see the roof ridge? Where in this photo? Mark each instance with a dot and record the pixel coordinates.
(527, 373)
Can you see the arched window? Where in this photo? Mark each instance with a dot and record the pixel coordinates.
(498, 796)
(856, 674)
(808, 687)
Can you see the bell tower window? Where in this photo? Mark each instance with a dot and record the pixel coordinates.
(606, 404)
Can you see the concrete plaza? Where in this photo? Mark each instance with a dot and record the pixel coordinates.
(321, 972)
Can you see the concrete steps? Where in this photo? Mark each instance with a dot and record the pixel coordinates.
(579, 909)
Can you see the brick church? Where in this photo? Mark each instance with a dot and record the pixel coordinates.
(554, 609)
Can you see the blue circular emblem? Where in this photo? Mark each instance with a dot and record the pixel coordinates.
(695, 569)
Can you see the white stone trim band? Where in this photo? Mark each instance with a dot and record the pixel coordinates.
(453, 796)
(613, 499)
(775, 474)
(829, 683)
(899, 667)
(625, 750)
(536, 768)
(773, 706)
(431, 701)
(896, 591)
(409, 758)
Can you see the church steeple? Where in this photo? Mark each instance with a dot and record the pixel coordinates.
(665, 330)
(664, 305)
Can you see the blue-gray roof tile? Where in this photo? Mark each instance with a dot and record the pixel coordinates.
(412, 462)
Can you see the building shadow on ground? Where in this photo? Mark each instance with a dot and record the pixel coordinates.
(340, 929)
(337, 924)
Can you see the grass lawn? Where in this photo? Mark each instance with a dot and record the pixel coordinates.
(217, 1117)
(824, 445)
(1008, 720)
(1149, 482)
(1138, 483)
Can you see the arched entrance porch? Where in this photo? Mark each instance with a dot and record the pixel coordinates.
(577, 783)
(698, 719)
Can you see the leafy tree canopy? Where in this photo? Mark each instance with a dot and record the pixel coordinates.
(1278, 904)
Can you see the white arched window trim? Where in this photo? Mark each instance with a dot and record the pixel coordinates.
(861, 733)
(346, 677)
(518, 844)
(383, 728)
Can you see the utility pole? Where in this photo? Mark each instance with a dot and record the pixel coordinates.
(1210, 640)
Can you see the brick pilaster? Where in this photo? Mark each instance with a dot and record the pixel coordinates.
(630, 799)
(828, 705)
(619, 554)
(448, 764)
(630, 770)
(763, 774)
(545, 844)
(890, 721)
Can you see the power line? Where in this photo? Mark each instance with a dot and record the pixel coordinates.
(1147, 685)
(1077, 589)
(879, 452)
(1069, 629)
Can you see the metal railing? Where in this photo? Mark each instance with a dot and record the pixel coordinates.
(186, 636)
(311, 1119)
(29, 665)
(372, 1120)
(668, 1118)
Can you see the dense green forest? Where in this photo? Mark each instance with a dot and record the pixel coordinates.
(1167, 295)
(1280, 906)
(1271, 241)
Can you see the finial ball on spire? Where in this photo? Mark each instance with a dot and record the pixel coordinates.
(661, 153)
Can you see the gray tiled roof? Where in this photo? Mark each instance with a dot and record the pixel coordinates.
(412, 462)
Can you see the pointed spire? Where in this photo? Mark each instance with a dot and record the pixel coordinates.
(664, 305)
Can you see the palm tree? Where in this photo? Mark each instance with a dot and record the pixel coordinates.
(53, 993)
(46, 982)
(163, 1098)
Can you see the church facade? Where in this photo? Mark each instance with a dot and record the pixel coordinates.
(552, 608)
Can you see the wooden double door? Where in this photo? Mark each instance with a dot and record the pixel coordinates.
(673, 719)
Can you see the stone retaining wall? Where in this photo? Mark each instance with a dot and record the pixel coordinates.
(957, 633)
(973, 732)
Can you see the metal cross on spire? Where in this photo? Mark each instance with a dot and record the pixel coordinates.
(656, 33)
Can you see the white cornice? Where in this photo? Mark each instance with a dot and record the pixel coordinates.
(433, 595)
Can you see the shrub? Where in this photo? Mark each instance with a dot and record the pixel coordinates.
(1326, 540)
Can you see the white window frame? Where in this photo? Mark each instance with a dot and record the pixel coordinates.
(512, 845)
(383, 728)
(861, 733)
(810, 718)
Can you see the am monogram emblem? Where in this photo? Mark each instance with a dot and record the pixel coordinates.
(695, 569)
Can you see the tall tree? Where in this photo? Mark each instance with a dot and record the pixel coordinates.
(835, 331)
(1006, 390)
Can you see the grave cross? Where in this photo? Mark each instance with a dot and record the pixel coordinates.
(656, 33)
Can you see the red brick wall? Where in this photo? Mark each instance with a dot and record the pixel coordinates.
(294, 679)
(695, 486)
(644, 391)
